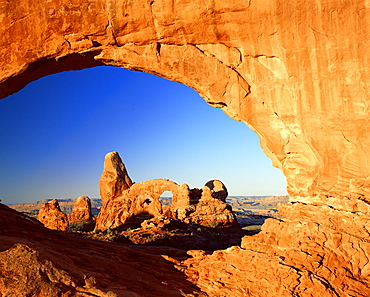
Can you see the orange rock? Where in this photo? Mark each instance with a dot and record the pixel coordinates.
(80, 219)
(218, 189)
(52, 217)
(131, 206)
(136, 204)
(210, 209)
(296, 72)
(292, 78)
(36, 261)
(82, 215)
(114, 179)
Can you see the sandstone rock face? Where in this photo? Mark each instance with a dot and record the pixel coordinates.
(82, 214)
(210, 208)
(218, 189)
(291, 79)
(81, 217)
(114, 179)
(36, 261)
(52, 217)
(296, 72)
(129, 207)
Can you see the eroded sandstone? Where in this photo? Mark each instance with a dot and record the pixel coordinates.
(81, 215)
(131, 205)
(114, 179)
(36, 261)
(81, 218)
(296, 72)
(52, 217)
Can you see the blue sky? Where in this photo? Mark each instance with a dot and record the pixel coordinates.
(56, 131)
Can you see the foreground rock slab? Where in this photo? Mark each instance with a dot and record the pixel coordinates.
(36, 261)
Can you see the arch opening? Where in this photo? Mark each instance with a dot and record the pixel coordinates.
(312, 122)
(173, 134)
(166, 198)
(198, 142)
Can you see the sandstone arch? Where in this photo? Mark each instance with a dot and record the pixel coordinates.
(299, 79)
(126, 204)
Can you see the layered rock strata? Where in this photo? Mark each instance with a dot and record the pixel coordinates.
(130, 206)
(296, 72)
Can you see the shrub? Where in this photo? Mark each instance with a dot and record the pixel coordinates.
(76, 226)
(214, 224)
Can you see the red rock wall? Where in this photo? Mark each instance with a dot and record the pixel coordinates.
(296, 72)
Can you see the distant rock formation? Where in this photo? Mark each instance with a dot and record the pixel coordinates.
(211, 208)
(82, 215)
(66, 206)
(130, 206)
(52, 217)
(114, 179)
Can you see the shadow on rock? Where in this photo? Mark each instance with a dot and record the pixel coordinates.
(163, 231)
(39, 261)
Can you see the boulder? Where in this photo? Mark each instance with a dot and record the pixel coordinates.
(52, 217)
(211, 209)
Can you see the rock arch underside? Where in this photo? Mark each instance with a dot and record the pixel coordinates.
(296, 72)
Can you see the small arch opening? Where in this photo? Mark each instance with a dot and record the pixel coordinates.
(166, 198)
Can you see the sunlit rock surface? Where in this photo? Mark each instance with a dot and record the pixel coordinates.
(114, 179)
(52, 217)
(81, 215)
(36, 261)
(81, 218)
(132, 205)
(296, 72)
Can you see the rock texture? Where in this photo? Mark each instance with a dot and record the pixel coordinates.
(130, 206)
(36, 261)
(296, 72)
(114, 179)
(82, 214)
(52, 217)
(208, 207)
